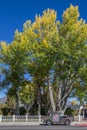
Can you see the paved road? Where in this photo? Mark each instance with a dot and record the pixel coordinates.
(43, 127)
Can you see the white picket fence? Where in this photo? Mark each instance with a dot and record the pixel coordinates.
(24, 118)
(78, 118)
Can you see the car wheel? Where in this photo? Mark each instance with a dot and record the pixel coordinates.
(49, 122)
(67, 122)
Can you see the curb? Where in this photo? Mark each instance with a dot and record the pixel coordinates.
(79, 124)
(82, 124)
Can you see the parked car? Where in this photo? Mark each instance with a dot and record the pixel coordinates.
(56, 118)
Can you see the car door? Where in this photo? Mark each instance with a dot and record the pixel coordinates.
(56, 118)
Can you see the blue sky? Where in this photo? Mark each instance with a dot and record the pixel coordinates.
(13, 14)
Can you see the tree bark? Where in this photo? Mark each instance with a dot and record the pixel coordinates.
(51, 95)
(59, 98)
(39, 102)
(63, 95)
(29, 106)
(17, 103)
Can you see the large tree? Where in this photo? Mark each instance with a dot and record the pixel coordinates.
(13, 61)
(53, 53)
(73, 60)
(43, 38)
(58, 52)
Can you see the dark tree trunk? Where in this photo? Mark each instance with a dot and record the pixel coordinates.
(39, 101)
(17, 104)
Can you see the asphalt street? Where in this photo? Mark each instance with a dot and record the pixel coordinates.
(43, 127)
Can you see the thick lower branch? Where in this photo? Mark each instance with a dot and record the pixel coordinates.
(51, 95)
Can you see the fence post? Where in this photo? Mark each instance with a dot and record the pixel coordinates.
(83, 114)
(79, 116)
(26, 118)
(0, 118)
(39, 118)
(13, 118)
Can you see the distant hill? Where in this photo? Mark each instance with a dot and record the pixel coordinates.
(2, 100)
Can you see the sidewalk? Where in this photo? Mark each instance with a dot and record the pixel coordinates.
(81, 123)
(20, 123)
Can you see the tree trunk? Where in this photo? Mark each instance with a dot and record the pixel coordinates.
(59, 99)
(28, 107)
(39, 102)
(59, 103)
(63, 94)
(17, 103)
(51, 95)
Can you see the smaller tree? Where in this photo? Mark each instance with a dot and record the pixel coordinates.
(27, 96)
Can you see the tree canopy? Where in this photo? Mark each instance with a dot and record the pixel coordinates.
(52, 55)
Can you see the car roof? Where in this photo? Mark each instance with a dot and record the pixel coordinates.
(57, 112)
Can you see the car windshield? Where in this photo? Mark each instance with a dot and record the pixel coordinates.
(54, 113)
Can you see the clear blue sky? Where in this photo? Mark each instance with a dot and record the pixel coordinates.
(13, 13)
